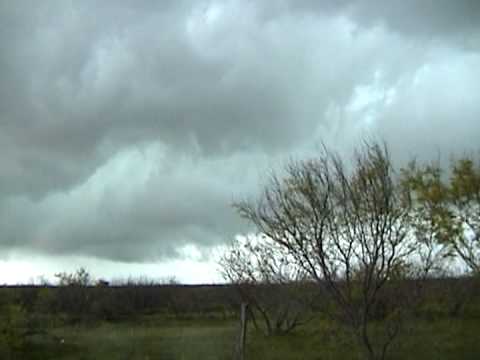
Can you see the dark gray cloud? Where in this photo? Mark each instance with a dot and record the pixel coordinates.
(127, 128)
(441, 20)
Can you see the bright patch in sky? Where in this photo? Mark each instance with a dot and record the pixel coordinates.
(27, 269)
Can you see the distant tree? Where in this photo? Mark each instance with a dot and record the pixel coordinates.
(269, 280)
(73, 296)
(80, 277)
(348, 227)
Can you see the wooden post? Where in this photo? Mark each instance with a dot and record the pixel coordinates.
(243, 331)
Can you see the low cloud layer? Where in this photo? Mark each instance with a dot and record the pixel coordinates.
(127, 129)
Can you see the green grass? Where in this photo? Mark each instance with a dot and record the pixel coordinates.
(129, 341)
(448, 339)
(203, 339)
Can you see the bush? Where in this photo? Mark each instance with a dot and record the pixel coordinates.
(14, 327)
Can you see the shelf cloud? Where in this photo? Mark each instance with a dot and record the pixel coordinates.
(128, 128)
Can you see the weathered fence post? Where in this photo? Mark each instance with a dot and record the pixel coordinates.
(243, 332)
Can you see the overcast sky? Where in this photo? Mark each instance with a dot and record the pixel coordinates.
(127, 127)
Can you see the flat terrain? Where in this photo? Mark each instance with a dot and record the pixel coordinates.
(202, 322)
(157, 338)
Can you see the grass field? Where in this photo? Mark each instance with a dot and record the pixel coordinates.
(158, 338)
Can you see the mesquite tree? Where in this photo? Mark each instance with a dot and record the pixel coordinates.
(452, 205)
(347, 227)
(267, 278)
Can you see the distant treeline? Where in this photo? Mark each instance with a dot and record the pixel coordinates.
(85, 303)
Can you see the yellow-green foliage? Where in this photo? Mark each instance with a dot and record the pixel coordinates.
(448, 206)
(465, 181)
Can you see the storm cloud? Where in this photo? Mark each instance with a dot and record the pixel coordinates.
(127, 128)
